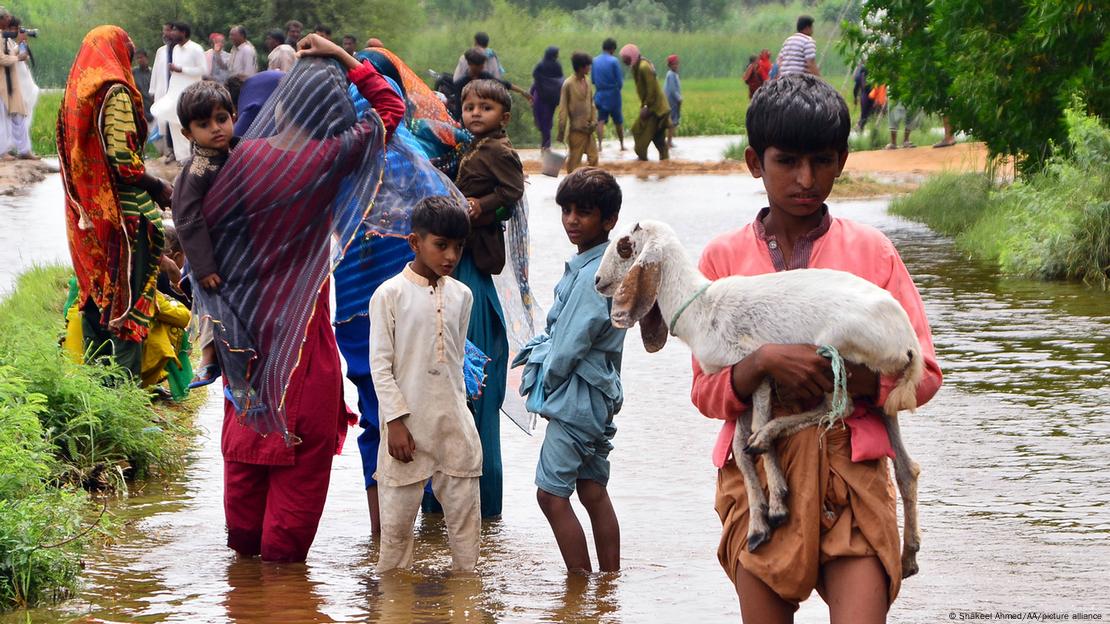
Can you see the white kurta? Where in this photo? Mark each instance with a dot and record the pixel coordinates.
(282, 58)
(158, 79)
(417, 346)
(244, 60)
(190, 58)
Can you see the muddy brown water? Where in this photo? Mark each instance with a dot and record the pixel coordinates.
(1015, 491)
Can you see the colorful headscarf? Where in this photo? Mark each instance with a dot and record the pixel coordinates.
(630, 52)
(95, 227)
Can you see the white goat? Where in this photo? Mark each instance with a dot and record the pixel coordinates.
(651, 279)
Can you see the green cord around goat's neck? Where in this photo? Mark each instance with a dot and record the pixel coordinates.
(838, 406)
(682, 308)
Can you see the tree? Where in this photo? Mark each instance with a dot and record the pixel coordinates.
(1005, 71)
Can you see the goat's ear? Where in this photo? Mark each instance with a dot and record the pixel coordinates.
(653, 329)
(636, 294)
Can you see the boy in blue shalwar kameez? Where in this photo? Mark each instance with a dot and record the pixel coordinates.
(572, 379)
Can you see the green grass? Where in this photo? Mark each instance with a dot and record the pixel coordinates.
(65, 427)
(45, 122)
(1054, 225)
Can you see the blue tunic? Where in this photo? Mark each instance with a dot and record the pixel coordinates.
(608, 80)
(572, 371)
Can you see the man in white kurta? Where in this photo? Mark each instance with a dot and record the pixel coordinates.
(244, 60)
(185, 65)
(160, 80)
(417, 345)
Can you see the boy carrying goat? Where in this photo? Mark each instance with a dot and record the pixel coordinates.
(829, 521)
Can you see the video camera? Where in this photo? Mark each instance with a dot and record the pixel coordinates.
(30, 32)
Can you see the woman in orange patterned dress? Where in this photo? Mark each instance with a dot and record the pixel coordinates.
(112, 221)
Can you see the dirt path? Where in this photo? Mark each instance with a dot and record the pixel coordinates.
(17, 176)
(900, 163)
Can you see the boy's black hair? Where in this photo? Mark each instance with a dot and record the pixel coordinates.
(351, 37)
(798, 113)
(804, 22)
(182, 27)
(441, 215)
(490, 90)
(609, 45)
(199, 99)
(234, 85)
(590, 187)
(751, 59)
(474, 56)
(277, 36)
(481, 39)
(578, 60)
(320, 28)
(141, 51)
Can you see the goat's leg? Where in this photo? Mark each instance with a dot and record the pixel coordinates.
(777, 490)
(906, 472)
(758, 530)
(781, 427)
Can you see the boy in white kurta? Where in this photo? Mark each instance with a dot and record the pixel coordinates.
(418, 323)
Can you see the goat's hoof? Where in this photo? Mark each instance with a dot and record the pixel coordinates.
(778, 517)
(909, 566)
(753, 450)
(758, 538)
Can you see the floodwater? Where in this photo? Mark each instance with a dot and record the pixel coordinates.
(1015, 491)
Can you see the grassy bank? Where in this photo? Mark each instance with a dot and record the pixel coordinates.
(44, 126)
(65, 429)
(1052, 225)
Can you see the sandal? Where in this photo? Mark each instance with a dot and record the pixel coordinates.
(245, 403)
(206, 375)
(891, 146)
(908, 144)
(944, 144)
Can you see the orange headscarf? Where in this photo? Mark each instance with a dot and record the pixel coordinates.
(98, 242)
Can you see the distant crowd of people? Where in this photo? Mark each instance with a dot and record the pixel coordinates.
(18, 92)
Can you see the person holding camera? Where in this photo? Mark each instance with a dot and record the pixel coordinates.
(14, 112)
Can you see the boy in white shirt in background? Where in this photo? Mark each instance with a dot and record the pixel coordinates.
(418, 323)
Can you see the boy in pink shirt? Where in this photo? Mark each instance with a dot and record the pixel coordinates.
(841, 537)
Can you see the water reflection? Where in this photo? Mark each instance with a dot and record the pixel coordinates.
(1014, 490)
(283, 592)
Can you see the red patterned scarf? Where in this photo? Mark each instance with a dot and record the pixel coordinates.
(95, 226)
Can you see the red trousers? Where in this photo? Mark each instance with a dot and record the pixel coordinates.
(273, 494)
(274, 511)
